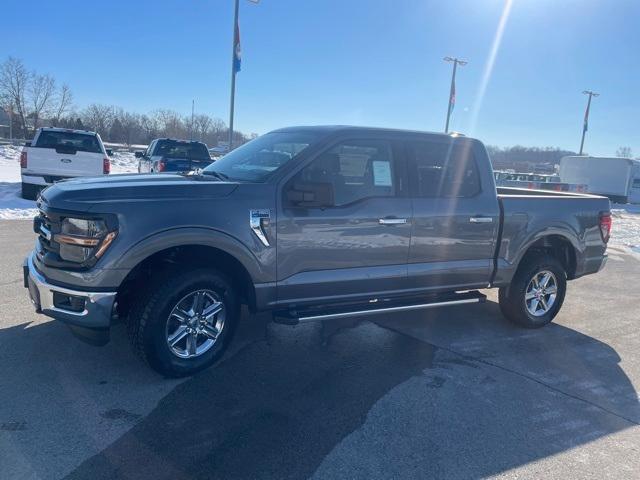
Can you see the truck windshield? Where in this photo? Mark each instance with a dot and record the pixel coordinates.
(78, 142)
(256, 160)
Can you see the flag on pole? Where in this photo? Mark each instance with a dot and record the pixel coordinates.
(452, 97)
(585, 127)
(237, 52)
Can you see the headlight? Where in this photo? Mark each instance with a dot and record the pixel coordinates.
(83, 228)
(82, 239)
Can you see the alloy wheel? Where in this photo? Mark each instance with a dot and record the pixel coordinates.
(195, 323)
(541, 293)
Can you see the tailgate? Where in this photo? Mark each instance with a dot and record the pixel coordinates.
(49, 161)
(184, 164)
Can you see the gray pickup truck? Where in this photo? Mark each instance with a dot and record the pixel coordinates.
(310, 223)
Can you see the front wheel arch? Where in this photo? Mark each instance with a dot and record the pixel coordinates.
(185, 257)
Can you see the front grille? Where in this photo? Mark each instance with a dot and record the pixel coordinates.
(42, 224)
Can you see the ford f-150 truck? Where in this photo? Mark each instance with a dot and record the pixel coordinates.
(311, 223)
(59, 153)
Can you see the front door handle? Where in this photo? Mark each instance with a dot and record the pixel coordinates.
(392, 221)
(481, 219)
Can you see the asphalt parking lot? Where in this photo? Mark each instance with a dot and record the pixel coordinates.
(448, 393)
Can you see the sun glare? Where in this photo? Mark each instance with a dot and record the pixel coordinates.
(488, 68)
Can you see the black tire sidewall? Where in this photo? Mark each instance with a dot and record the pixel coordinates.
(157, 351)
(29, 191)
(512, 300)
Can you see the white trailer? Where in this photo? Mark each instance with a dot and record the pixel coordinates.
(615, 177)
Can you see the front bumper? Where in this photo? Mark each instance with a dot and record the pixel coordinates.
(87, 313)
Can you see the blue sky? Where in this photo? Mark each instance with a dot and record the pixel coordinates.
(364, 62)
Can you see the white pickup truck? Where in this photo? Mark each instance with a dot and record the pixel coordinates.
(59, 153)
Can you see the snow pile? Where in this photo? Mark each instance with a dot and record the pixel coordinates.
(10, 163)
(13, 206)
(124, 162)
(626, 226)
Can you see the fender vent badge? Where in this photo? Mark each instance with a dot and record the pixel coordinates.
(259, 220)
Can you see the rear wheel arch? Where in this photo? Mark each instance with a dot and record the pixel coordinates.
(559, 247)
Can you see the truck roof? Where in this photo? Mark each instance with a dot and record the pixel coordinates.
(631, 161)
(328, 129)
(70, 130)
(179, 140)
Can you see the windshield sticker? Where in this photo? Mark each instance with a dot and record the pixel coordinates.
(381, 173)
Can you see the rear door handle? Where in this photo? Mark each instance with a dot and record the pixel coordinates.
(481, 219)
(392, 221)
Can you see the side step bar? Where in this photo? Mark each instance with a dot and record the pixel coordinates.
(295, 316)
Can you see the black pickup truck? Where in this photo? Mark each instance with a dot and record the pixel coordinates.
(311, 223)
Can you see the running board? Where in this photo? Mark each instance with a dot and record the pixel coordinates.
(295, 316)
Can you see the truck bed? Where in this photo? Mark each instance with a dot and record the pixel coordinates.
(531, 214)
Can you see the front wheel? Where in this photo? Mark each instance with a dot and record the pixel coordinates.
(536, 293)
(184, 322)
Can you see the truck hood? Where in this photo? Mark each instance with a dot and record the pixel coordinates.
(83, 194)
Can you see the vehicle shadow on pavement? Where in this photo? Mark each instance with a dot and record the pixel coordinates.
(358, 400)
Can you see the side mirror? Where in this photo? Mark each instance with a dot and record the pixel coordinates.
(303, 194)
(109, 152)
(139, 154)
(27, 144)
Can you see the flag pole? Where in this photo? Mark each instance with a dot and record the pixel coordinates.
(233, 72)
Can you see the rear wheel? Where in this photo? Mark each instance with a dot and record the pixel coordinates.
(30, 191)
(184, 322)
(536, 293)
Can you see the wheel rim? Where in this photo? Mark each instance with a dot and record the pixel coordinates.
(541, 293)
(195, 324)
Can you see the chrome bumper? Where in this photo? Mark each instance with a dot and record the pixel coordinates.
(98, 306)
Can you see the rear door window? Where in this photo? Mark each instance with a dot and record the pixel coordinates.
(443, 169)
(68, 142)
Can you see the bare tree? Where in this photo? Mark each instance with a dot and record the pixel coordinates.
(129, 125)
(170, 123)
(14, 81)
(203, 125)
(64, 100)
(98, 118)
(149, 127)
(219, 131)
(624, 152)
(42, 90)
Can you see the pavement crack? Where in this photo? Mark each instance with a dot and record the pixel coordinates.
(520, 374)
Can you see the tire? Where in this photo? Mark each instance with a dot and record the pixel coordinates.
(518, 300)
(30, 191)
(154, 317)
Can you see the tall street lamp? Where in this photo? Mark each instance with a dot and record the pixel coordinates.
(585, 125)
(452, 91)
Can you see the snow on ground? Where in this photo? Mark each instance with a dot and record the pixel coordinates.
(626, 226)
(124, 162)
(626, 218)
(13, 206)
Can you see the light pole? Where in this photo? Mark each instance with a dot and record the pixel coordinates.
(193, 106)
(452, 91)
(585, 125)
(235, 65)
